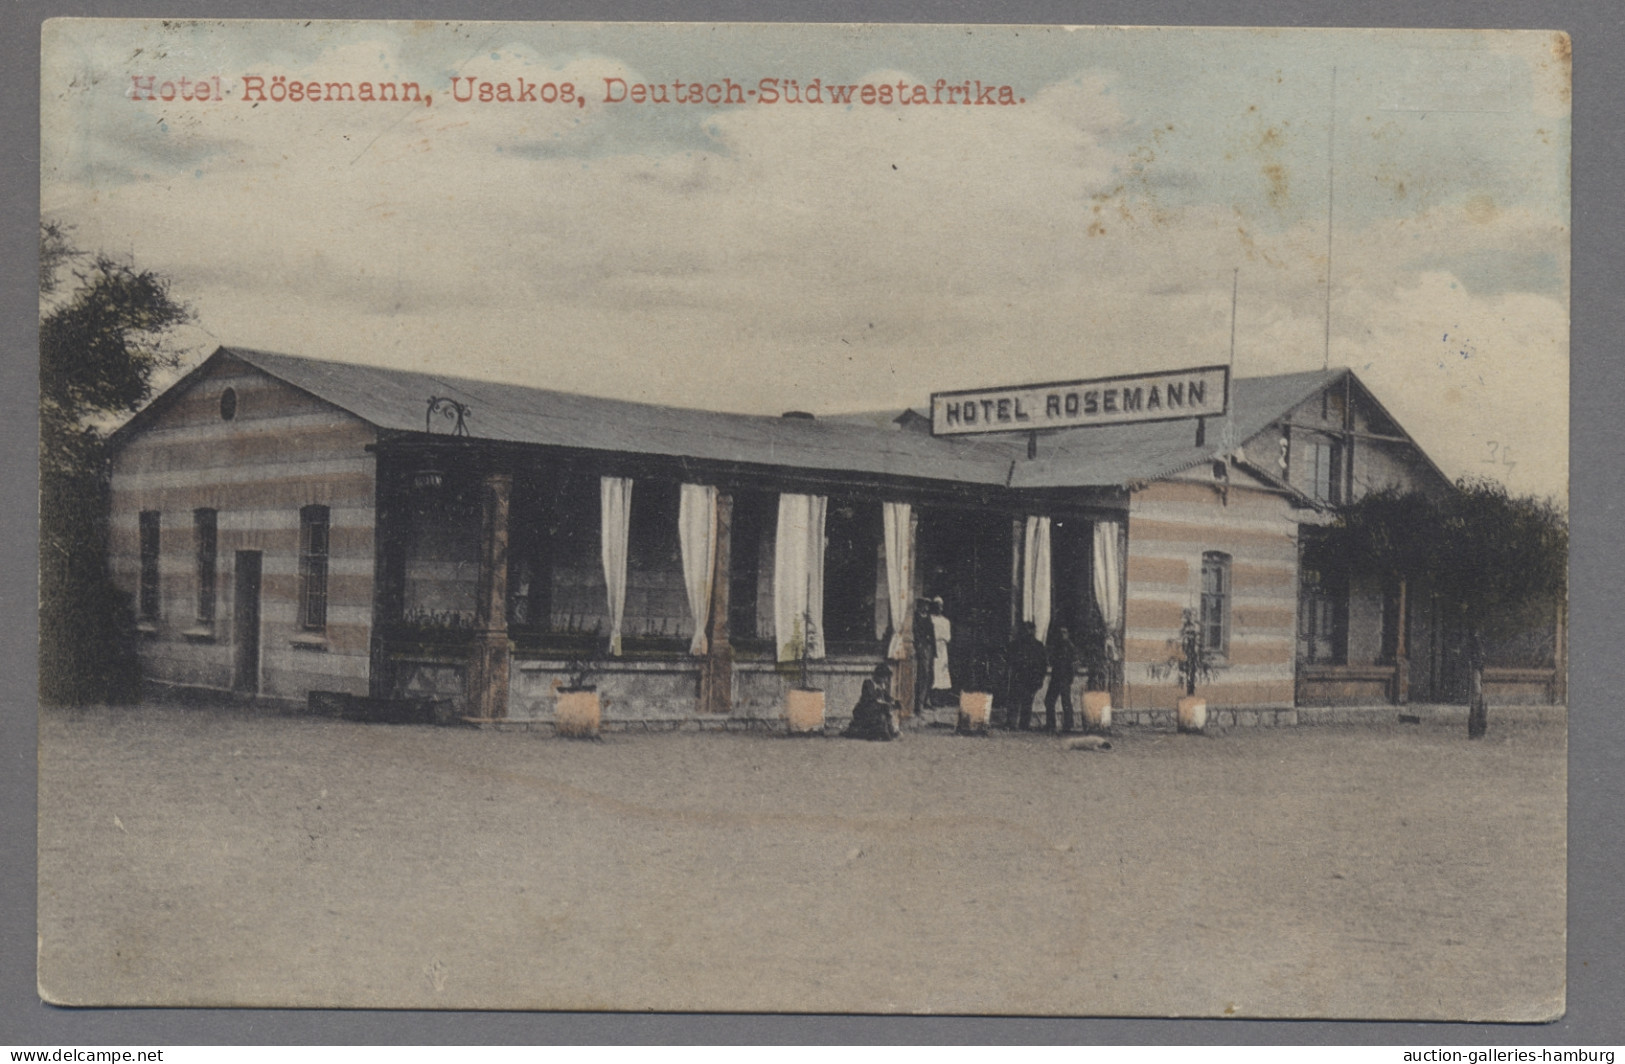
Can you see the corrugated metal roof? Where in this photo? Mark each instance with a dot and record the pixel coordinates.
(1099, 456)
(1119, 454)
(396, 399)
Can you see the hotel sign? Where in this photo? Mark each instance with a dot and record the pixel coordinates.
(1181, 393)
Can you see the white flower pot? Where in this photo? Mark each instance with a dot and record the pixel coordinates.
(804, 712)
(974, 709)
(577, 714)
(1192, 714)
(1097, 710)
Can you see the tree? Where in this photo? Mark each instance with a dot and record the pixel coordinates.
(1498, 562)
(1502, 564)
(105, 331)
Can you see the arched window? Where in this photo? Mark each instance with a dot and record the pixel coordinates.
(1216, 602)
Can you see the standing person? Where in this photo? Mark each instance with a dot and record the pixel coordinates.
(1029, 661)
(925, 652)
(941, 682)
(1063, 666)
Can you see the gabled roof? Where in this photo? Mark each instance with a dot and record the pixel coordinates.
(1096, 456)
(393, 399)
(1123, 454)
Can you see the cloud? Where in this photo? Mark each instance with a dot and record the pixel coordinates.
(782, 256)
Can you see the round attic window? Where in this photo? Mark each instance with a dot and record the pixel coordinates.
(228, 404)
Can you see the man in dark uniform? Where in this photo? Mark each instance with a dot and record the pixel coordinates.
(1029, 661)
(1063, 666)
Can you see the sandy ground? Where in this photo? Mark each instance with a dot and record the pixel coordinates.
(221, 857)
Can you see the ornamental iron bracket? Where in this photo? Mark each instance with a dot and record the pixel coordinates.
(451, 410)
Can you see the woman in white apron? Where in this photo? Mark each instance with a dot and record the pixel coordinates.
(943, 633)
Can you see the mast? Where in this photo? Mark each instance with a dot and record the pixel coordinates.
(1331, 178)
(1230, 376)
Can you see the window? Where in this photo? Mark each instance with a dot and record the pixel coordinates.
(206, 537)
(556, 572)
(313, 528)
(852, 573)
(1323, 624)
(555, 569)
(439, 552)
(228, 404)
(149, 565)
(1323, 603)
(1216, 602)
(750, 560)
(1327, 485)
(656, 600)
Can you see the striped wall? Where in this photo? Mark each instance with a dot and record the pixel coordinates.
(282, 450)
(1171, 524)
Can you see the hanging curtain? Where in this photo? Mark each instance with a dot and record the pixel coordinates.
(614, 522)
(697, 535)
(1109, 575)
(798, 577)
(1035, 575)
(895, 517)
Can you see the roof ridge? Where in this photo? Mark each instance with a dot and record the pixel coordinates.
(1096, 456)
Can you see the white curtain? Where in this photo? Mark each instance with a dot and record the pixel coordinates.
(798, 577)
(1109, 574)
(895, 518)
(697, 534)
(614, 521)
(1035, 575)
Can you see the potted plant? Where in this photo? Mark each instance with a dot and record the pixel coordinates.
(578, 711)
(1191, 663)
(804, 703)
(1097, 700)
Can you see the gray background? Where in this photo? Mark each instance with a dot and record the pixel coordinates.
(1596, 965)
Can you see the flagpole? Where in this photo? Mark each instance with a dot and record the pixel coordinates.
(1331, 179)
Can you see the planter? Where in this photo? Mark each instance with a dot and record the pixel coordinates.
(577, 713)
(1192, 714)
(974, 709)
(804, 712)
(1097, 710)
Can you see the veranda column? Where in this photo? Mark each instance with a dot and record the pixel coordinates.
(716, 670)
(1110, 596)
(489, 662)
(1402, 659)
(905, 679)
(1018, 538)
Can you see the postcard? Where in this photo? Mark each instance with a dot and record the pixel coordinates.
(987, 520)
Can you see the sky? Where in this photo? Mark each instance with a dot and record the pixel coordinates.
(761, 257)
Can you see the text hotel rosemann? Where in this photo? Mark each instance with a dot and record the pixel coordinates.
(1199, 392)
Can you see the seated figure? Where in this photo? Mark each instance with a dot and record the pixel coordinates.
(875, 715)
